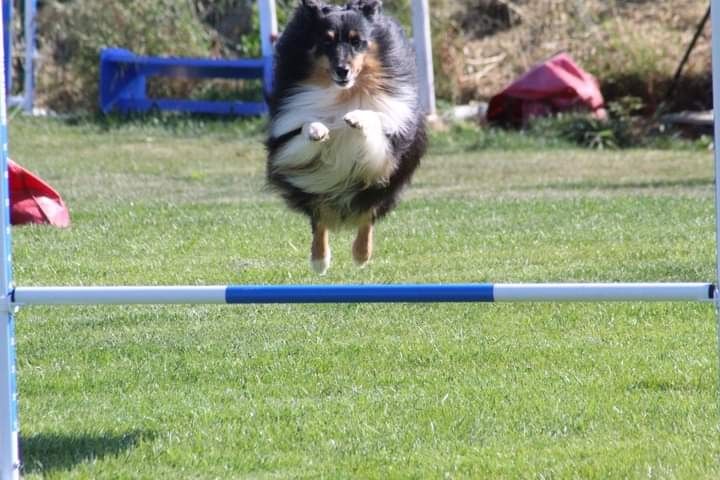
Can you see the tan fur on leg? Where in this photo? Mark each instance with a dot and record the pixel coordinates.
(320, 250)
(363, 244)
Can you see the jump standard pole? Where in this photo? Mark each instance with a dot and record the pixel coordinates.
(715, 22)
(9, 458)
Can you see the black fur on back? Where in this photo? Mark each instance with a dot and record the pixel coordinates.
(295, 54)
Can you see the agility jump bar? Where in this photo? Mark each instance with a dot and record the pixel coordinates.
(368, 293)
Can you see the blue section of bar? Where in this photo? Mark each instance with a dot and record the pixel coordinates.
(419, 293)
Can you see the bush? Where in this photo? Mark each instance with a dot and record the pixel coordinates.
(624, 128)
(632, 47)
(72, 33)
(479, 46)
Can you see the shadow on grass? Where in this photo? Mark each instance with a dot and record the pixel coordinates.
(45, 453)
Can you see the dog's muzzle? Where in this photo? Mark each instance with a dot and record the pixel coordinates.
(342, 76)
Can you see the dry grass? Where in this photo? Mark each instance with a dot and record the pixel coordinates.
(631, 46)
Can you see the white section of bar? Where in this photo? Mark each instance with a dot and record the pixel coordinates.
(600, 292)
(119, 295)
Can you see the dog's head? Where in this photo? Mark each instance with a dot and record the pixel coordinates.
(342, 37)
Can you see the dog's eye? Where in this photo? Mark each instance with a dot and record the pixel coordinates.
(329, 38)
(355, 42)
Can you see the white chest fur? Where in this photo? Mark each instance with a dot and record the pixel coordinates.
(316, 104)
(356, 148)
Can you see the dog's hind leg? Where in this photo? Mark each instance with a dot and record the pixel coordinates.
(320, 250)
(363, 244)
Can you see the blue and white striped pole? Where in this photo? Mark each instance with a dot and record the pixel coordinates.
(9, 460)
(387, 293)
(715, 22)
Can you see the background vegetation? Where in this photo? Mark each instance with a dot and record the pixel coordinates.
(632, 46)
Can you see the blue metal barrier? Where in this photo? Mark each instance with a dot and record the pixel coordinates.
(123, 82)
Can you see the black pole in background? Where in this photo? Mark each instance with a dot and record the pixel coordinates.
(678, 72)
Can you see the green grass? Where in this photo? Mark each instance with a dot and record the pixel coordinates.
(365, 391)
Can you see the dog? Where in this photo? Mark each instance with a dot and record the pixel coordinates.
(346, 129)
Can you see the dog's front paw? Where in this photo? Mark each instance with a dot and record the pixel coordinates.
(316, 131)
(361, 119)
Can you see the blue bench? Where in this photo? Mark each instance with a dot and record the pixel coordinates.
(123, 79)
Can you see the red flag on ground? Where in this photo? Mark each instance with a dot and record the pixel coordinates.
(556, 85)
(34, 201)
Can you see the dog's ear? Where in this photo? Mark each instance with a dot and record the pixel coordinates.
(313, 7)
(316, 8)
(369, 8)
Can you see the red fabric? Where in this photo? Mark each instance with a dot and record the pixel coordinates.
(34, 201)
(557, 85)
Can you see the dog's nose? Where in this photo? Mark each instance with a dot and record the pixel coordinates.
(342, 72)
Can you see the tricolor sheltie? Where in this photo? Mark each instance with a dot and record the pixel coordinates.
(346, 130)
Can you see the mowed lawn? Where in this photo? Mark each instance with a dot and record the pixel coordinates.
(540, 391)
